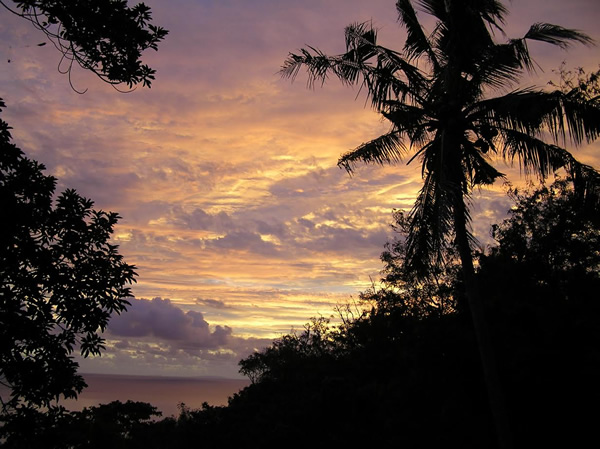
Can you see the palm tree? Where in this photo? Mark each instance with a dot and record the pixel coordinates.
(438, 94)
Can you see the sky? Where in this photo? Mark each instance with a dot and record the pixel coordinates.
(233, 209)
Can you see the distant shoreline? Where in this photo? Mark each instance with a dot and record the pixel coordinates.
(161, 377)
(163, 392)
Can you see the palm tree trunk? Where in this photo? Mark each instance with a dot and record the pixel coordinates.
(484, 342)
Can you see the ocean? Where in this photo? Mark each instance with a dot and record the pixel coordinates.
(165, 393)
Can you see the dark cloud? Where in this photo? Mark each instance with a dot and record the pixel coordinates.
(198, 219)
(92, 184)
(316, 182)
(308, 224)
(215, 303)
(161, 319)
(244, 241)
(159, 335)
(277, 229)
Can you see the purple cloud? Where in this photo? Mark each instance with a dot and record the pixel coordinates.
(161, 319)
(214, 303)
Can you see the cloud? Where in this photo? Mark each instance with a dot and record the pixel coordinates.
(161, 319)
(243, 241)
(346, 241)
(214, 303)
(157, 336)
(198, 219)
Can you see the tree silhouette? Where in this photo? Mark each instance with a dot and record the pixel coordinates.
(550, 244)
(540, 284)
(60, 277)
(434, 93)
(408, 373)
(60, 281)
(103, 36)
(579, 81)
(286, 354)
(115, 425)
(433, 293)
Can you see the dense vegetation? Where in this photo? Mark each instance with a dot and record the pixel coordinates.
(60, 281)
(60, 277)
(405, 370)
(451, 99)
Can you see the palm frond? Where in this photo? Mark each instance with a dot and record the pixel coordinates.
(417, 43)
(435, 8)
(478, 169)
(433, 218)
(557, 35)
(582, 116)
(360, 36)
(526, 110)
(361, 40)
(319, 66)
(502, 64)
(534, 156)
(389, 75)
(384, 73)
(393, 60)
(316, 62)
(412, 120)
(586, 183)
(534, 112)
(386, 149)
(492, 11)
(430, 225)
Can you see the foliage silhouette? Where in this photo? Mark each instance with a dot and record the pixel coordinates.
(579, 82)
(443, 114)
(433, 293)
(405, 371)
(114, 425)
(540, 281)
(289, 352)
(103, 36)
(60, 281)
(60, 277)
(410, 372)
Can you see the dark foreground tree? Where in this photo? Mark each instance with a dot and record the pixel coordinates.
(553, 237)
(103, 36)
(60, 281)
(438, 94)
(541, 283)
(115, 425)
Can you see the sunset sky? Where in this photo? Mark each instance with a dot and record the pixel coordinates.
(234, 211)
